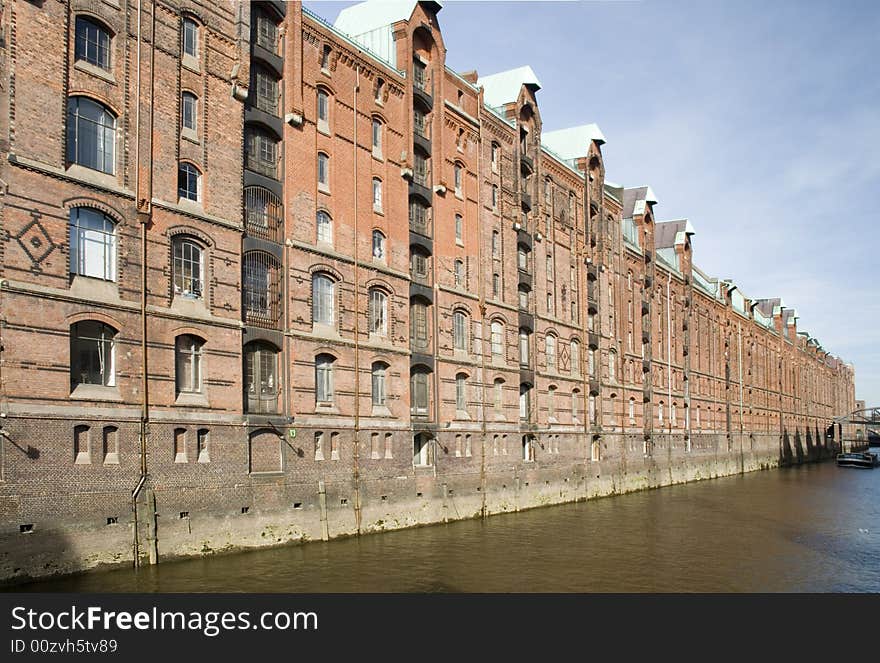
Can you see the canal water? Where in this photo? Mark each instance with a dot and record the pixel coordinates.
(814, 528)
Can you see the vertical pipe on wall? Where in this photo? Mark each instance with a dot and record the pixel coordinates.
(357, 316)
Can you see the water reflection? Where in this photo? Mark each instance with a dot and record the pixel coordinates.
(805, 529)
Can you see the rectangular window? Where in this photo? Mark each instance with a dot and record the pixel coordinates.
(419, 124)
(419, 313)
(266, 94)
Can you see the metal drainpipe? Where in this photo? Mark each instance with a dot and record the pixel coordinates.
(740, 362)
(482, 304)
(585, 330)
(144, 411)
(357, 317)
(669, 349)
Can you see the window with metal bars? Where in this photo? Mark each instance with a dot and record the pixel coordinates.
(262, 289)
(263, 214)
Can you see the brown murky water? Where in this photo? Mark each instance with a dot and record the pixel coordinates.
(806, 529)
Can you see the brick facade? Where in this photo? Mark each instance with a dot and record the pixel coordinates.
(479, 323)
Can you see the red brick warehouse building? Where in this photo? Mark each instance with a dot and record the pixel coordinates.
(267, 279)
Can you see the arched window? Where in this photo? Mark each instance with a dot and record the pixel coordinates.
(325, 58)
(458, 273)
(672, 421)
(92, 244)
(497, 339)
(495, 244)
(92, 354)
(524, 347)
(612, 366)
(188, 268)
(189, 112)
(550, 351)
(377, 137)
(92, 42)
(377, 194)
(189, 181)
(378, 312)
(261, 377)
(495, 152)
(498, 394)
(457, 175)
(91, 135)
(632, 411)
(324, 225)
(323, 171)
(592, 405)
(190, 38)
(551, 401)
(591, 363)
(380, 90)
(323, 110)
(324, 394)
(494, 197)
(323, 300)
(379, 386)
(461, 392)
(378, 245)
(575, 404)
(496, 285)
(262, 151)
(188, 362)
(660, 412)
(262, 289)
(575, 357)
(460, 331)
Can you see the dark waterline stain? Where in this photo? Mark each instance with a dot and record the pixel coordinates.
(806, 529)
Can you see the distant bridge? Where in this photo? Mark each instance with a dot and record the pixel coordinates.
(868, 422)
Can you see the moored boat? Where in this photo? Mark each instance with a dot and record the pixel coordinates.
(854, 459)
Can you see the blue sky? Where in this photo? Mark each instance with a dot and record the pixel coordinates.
(758, 121)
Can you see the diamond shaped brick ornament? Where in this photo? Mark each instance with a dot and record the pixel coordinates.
(35, 241)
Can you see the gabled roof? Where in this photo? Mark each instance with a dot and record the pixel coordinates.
(635, 199)
(574, 142)
(369, 24)
(367, 16)
(503, 88)
(670, 233)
